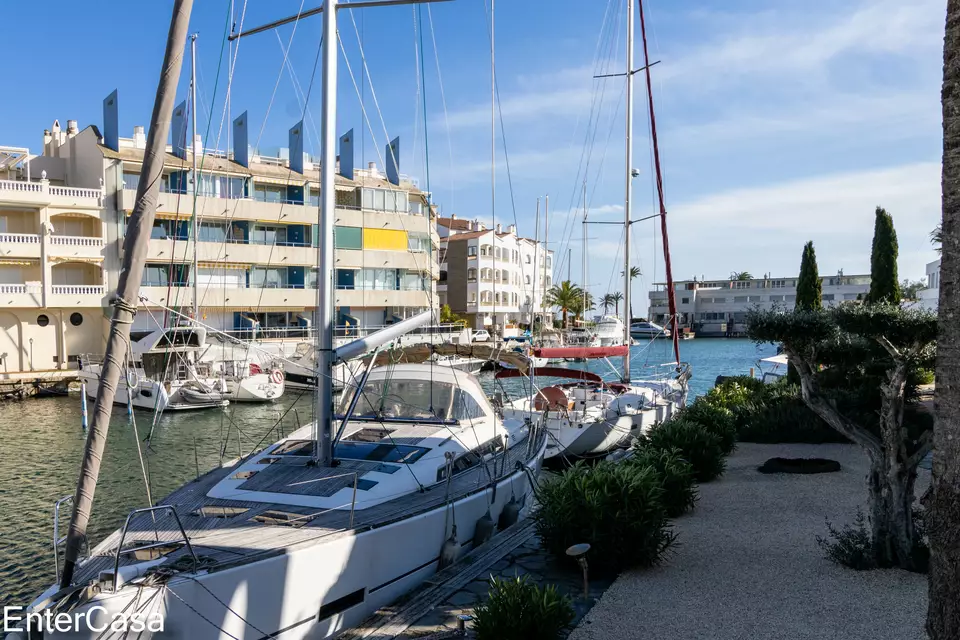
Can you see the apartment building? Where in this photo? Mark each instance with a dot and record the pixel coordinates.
(63, 215)
(929, 297)
(495, 278)
(719, 307)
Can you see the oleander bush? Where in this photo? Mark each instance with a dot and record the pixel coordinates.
(517, 609)
(617, 508)
(701, 448)
(676, 477)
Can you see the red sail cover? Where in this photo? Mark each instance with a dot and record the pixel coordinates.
(553, 372)
(581, 352)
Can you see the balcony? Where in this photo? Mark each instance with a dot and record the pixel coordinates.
(236, 252)
(232, 298)
(76, 246)
(21, 295)
(76, 295)
(20, 245)
(41, 193)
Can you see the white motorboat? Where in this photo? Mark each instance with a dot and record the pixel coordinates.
(247, 381)
(163, 374)
(643, 330)
(606, 332)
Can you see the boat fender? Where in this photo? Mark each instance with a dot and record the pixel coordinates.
(510, 514)
(450, 551)
(484, 530)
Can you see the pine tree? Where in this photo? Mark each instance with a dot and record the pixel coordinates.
(884, 286)
(809, 286)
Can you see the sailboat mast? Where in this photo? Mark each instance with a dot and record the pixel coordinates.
(323, 408)
(583, 250)
(671, 294)
(128, 287)
(196, 177)
(536, 267)
(542, 271)
(628, 198)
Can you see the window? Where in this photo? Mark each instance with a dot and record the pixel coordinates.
(776, 298)
(418, 242)
(486, 297)
(76, 319)
(348, 237)
(131, 180)
(169, 230)
(486, 251)
(213, 231)
(159, 275)
(471, 252)
(496, 253)
(340, 605)
(385, 200)
(719, 300)
(740, 284)
(827, 297)
(684, 300)
(549, 261)
(268, 234)
(703, 300)
(778, 284)
(268, 278)
(269, 193)
(753, 298)
(528, 259)
(527, 279)
(473, 297)
(791, 298)
(43, 320)
(411, 399)
(471, 275)
(740, 298)
(850, 296)
(411, 281)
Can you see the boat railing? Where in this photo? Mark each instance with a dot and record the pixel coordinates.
(155, 545)
(57, 539)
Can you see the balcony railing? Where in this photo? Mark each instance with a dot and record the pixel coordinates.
(13, 288)
(77, 241)
(17, 185)
(44, 187)
(76, 192)
(20, 238)
(78, 289)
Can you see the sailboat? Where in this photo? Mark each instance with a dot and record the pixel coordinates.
(586, 416)
(313, 533)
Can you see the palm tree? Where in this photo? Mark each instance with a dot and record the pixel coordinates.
(616, 298)
(741, 275)
(635, 272)
(943, 498)
(578, 308)
(936, 238)
(567, 296)
(607, 301)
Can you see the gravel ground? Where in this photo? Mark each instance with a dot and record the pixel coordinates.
(748, 565)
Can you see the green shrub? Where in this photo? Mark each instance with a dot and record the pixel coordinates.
(520, 610)
(851, 546)
(617, 509)
(734, 391)
(783, 418)
(717, 420)
(676, 477)
(699, 447)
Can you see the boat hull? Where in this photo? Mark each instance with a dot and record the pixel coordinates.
(345, 576)
(260, 387)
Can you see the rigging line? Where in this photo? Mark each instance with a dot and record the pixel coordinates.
(426, 137)
(443, 101)
(280, 75)
(302, 98)
(363, 109)
(136, 433)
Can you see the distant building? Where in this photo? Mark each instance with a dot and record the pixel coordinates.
(495, 278)
(929, 298)
(719, 307)
(63, 216)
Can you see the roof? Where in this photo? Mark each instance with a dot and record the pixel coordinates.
(220, 164)
(468, 236)
(455, 224)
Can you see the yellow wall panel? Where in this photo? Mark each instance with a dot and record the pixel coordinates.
(384, 239)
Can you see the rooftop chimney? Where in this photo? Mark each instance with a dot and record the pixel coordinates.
(512, 229)
(178, 131)
(296, 147)
(139, 137)
(393, 161)
(453, 216)
(346, 155)
(72, 129)
(499, 228)
(111, 122)
(241, 147)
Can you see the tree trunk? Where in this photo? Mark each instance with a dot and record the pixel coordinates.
(890, 486)
(943, 503)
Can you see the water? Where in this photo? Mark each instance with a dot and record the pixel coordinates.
(42, 444)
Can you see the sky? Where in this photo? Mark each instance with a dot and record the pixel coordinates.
(778, 121)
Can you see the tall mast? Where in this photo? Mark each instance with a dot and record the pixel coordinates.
(196, 177)
(534, 281)
(323, 409)
(546, 254)
(583, 250)
(628, 198)
(493, 166)
(128, 287)
(671, 294)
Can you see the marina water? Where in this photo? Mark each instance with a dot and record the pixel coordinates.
(43, 443)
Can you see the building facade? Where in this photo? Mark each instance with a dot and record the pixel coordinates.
(63, 216)
(496, 279)
(929, 297)
(719, 307)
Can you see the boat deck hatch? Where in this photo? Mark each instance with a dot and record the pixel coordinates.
(211, 511)
(284, 518)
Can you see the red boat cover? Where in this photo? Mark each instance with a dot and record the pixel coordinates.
(581, 352)
(553, 372)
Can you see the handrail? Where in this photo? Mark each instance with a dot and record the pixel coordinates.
(57, 540)
(123, 535)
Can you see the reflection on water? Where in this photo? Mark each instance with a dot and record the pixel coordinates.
(43, 441)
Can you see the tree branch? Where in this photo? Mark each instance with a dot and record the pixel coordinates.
(892, 350)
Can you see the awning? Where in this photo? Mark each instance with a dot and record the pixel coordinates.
(295, 180)
(223, 265)
(87, 259)
(19, 263)
(554, 372)
(421, 353)
(581, 352)
(167, 215)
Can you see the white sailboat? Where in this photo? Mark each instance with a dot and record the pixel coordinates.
(590, 417)
(315, 532)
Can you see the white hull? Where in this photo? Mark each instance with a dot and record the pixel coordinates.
(148, 395)
(260, 387)
(351, 576)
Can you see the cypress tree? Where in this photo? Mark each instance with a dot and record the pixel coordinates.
(884, 286)
(809, 286)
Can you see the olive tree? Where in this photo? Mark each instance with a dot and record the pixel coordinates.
(857, 366)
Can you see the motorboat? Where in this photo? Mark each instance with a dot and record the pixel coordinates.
(606, 332)
(163, 373)
(643, 330)
(248, 381)
(774, 368)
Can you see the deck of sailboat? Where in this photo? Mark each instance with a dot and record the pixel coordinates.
(222, 542)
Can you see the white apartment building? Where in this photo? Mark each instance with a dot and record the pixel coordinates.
(719, 307)
(929, 298)
(495, 278)
(63, 215)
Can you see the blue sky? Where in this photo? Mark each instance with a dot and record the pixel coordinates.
(779, 121)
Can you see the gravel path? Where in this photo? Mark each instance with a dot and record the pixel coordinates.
(748, 565)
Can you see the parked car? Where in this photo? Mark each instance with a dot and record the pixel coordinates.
(481, 336)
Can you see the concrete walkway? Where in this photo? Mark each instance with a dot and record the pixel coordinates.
(748, 566)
